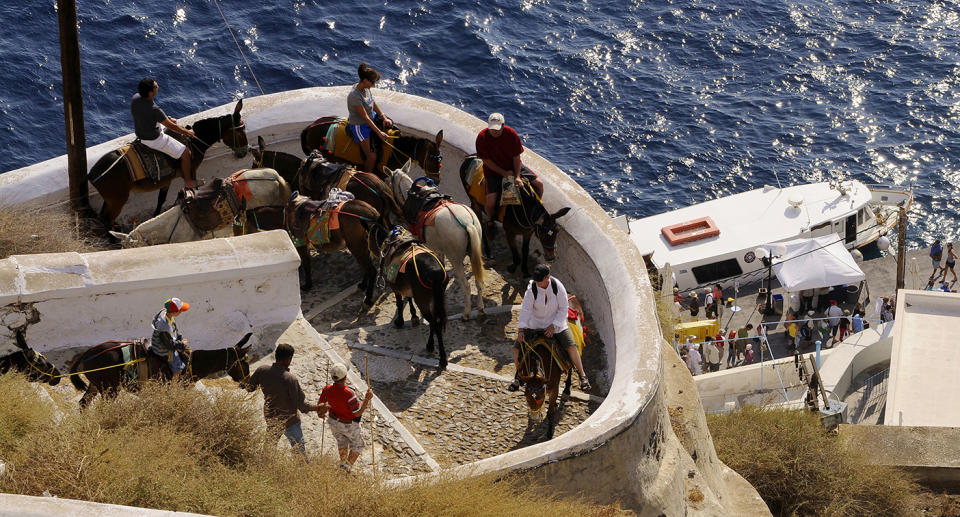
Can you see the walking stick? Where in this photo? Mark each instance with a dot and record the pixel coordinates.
(323, 421)
(373, 452)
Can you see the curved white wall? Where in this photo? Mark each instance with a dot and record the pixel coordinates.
(625, 451)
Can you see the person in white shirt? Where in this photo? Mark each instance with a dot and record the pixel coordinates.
(694, 360)
(544, 311)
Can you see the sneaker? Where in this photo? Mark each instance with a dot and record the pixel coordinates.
(514, 386)
(346, 466)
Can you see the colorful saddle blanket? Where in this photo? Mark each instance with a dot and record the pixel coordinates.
(575, 324)
(216, 204)
(144, 162)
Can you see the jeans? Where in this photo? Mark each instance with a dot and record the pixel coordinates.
(294, 435)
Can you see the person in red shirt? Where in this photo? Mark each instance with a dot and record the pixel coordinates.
(340, 403)
(499, 147)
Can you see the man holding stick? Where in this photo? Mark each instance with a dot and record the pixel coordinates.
(344, 410)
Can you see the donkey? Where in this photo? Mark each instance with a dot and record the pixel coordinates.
(540, 374)
(528, 218)
(455, 233)
(304, 219)
(113, 180)
(27, 361)
(417, 275)
(304, 176)
(423, 151)
(103, 365)
(260, 187)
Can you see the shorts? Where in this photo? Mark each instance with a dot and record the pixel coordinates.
(564, 338)
(359, 132)
(347, 434)
(166, 144)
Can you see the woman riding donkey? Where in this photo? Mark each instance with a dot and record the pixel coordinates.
(544, 311)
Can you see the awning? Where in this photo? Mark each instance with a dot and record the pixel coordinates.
(816, 262)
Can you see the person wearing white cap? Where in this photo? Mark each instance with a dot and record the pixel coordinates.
(344, 409)
(166, 340)
(499, 147)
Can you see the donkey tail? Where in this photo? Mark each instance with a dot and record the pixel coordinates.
(75, 377)
(476, 249)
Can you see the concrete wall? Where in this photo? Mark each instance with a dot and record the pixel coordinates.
(67, 302)
(856, 354)
(626, 450)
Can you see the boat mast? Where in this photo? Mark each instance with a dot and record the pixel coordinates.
(73, 104)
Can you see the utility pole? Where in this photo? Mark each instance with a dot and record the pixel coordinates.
(73, 104)
(901, 245)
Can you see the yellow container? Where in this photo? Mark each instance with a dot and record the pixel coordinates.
(700, 330)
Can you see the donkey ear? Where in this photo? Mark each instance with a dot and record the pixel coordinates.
(560, 213)
(119, 235)
(439, 138)
(261, 143)
(242, 344)
(406, 167)
(387, 172)
(239, 107)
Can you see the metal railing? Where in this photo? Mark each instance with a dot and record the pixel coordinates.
(874, 392)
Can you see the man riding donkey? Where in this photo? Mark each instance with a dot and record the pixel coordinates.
(147, 119)
(544, 312)
(499, 147)
(166, 342)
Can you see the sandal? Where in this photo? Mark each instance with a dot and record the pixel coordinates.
(514, 386)
(584, 383)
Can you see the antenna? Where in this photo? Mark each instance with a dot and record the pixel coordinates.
(777, 177)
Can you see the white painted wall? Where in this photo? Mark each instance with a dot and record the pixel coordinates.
(234, 286)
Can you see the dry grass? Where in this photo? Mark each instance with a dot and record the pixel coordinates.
(175, 448)
(52, 230)
(800, 469)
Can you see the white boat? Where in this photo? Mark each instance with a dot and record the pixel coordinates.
(714, 241)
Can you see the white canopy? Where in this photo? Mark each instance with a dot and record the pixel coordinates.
(817, 262)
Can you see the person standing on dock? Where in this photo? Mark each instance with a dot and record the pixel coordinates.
(936, 255)
(833, 317)
(282, 396)
(499, 147)
(950, 263)
(147, 119)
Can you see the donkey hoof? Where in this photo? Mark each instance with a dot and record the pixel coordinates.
(415, 322)
(398, 324)
(465, 316)
(442, 366)
(367, 303)
(513, 268)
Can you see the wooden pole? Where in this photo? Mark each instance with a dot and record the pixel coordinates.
(901, 246)
(373, 452)
(73, 104)
(823, 391)
(323, 422)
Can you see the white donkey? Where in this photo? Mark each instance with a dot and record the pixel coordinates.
(454, 233)
(262, 187)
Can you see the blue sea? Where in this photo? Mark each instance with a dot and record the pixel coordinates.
(648, 105)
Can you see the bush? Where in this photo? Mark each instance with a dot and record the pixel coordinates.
(51, 230)
(174, 448)
(801, 469)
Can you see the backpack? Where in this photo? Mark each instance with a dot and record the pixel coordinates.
(553, 284)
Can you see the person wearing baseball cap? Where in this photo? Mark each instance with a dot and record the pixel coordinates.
(340, 404)
(166, 340)
(499, 147)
